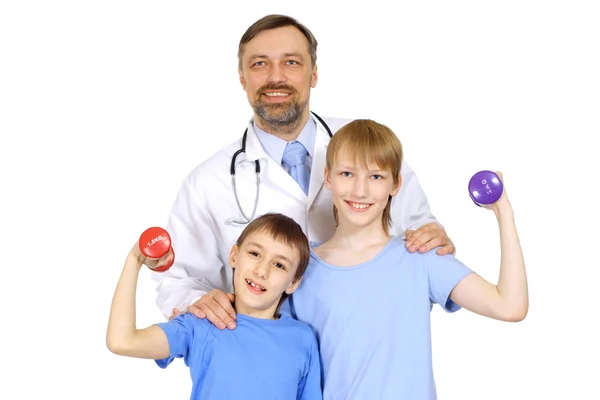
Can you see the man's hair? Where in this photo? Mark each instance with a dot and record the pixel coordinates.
(285, 230)
(275, 21)
(368, 142)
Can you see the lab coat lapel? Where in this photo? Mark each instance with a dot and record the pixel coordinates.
(318, 164)
(254, 149)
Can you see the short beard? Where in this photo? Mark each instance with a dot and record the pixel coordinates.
(280, 117)
(285, 118)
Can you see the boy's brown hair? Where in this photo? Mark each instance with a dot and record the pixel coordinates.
(285, 230)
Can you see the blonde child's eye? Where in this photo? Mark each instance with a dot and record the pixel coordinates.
(345, 173)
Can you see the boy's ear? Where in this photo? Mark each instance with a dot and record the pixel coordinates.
(327, 179)
(397, 187)
(233, 254)
(293, 286)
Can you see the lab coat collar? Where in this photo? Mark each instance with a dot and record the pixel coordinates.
(255, 150)
(317, 169)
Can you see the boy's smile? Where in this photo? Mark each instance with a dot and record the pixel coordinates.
(255, 287)
(359, 192)
(358, 207)
(264, 269)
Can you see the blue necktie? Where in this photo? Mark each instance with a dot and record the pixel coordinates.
(294, 157)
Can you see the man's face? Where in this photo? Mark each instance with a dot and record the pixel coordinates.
(277, 74)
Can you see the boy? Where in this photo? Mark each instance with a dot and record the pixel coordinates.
(267, 356)
(387, 355)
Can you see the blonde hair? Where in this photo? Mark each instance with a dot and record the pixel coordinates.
(368, 142)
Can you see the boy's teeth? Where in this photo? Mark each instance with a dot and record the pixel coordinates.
(255, 285)
(356, 205)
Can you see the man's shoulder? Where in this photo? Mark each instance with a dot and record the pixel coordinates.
(219, 158)
(336, 123)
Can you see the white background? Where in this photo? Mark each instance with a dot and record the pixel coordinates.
(106, 106)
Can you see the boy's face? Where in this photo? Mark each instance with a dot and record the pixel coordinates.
(359, 192)
(264, 270)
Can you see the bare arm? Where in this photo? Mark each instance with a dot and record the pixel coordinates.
(122, 336)
(188, 286)
(509, 299)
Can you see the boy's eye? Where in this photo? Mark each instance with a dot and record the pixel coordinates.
(280, 265)
(345, 173)
(377, 177)
(253, 253)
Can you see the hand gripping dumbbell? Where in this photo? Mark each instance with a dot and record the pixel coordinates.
(155, 243)
(485, 188)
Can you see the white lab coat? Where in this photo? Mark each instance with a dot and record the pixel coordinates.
(202, 239)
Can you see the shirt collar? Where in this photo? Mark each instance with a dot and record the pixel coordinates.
(275, 146)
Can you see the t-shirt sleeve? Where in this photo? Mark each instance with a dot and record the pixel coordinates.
(180, 333)
(309, 387)
(444, 273)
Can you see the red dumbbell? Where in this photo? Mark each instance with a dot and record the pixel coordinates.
(155, 243)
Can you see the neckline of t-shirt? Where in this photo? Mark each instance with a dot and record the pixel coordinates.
(281, 319)
(324, 263)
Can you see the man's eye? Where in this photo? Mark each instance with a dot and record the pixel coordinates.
(293, 62)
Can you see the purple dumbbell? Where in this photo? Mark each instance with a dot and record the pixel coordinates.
(485, 188)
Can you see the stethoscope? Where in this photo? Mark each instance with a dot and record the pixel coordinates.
(247, 219)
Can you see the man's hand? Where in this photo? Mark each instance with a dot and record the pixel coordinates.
(176, 312)
(216, 306)
(429, 237)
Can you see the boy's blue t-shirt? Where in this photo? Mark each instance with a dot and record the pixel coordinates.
(373, 321)
(259, 359)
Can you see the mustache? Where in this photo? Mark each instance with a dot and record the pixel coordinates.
(276, 87)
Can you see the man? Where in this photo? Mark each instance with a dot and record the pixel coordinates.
(284, 147)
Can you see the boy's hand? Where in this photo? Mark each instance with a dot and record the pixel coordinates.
(502, 202)
(150, 263)
(217, 307)
(429, 237)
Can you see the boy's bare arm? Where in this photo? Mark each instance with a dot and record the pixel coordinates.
(509, 299)
(122, 336)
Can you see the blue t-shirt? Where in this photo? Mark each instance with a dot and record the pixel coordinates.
(373, 321)
(259, 359)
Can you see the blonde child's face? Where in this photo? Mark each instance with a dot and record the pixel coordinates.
(359, 192)
(264, 270)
